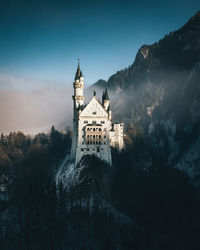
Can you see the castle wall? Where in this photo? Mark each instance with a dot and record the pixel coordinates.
(94, 138)
(116, 136)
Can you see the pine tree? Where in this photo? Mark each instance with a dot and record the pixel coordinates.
(3, 140)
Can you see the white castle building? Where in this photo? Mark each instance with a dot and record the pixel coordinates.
(93, 131)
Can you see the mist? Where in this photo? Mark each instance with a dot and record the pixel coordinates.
(35, 111)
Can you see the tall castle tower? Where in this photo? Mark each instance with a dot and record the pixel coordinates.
(78, 100)
(93, 132)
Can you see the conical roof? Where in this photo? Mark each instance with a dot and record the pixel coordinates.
(106, 96)
(78, 72)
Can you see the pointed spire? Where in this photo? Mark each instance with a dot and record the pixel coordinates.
(78, 72)
(106, 97)
(103, 97)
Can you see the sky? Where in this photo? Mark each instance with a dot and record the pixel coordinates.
(40, 41)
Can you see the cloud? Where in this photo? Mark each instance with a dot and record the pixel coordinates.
(24, 84)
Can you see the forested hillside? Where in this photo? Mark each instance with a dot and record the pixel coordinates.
(129, 205)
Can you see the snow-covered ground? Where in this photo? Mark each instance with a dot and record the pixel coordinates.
(68, 173)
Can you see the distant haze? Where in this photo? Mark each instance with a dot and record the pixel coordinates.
(34, 111)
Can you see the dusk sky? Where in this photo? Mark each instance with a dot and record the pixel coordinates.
(41, 40)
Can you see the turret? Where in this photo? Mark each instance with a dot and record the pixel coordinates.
(105, 100)
(78, 88)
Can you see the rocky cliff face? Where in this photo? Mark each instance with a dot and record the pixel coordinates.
(177, 52)
(160, 92)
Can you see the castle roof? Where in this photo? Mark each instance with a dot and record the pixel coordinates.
(93, 106)
(78, 72)
(106, 97)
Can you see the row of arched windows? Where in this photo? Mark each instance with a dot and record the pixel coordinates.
(94, 142)
(94, 136)
(94, 129)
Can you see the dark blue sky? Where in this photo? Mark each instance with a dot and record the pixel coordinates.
(42, 39)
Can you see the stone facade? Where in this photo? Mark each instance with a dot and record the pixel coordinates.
(93, 131)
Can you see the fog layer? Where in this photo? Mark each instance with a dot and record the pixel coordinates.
(36, 111)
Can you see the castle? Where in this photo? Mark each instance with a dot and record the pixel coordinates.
(93, 131)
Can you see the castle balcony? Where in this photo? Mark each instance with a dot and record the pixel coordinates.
(78, 98)
(91, 133)
(93, 129)
(78, 85)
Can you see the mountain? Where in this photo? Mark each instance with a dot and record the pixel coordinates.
(160, 92)
(98, 86)
(100, 83)
(176, 52)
